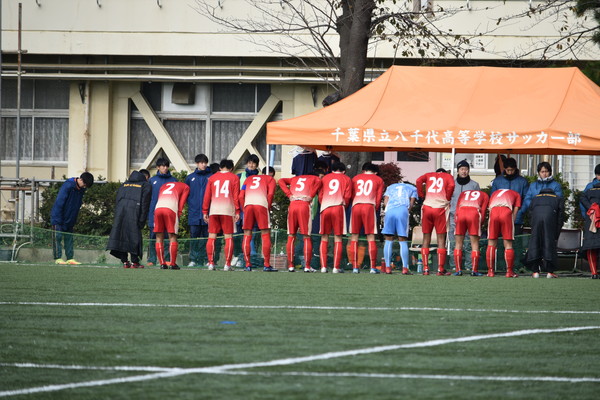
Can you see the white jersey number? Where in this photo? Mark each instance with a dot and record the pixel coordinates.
(221, 190)
(364, 188)
(437, 184)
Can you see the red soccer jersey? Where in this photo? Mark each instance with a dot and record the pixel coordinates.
(259, 190)
(505, 198)
(336, 190)
(439, 189)
(222, 193)
(302, 187)
(367, 189)
(473, 198)
(173, 195)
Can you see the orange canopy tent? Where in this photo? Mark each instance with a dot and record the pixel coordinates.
(469, 109)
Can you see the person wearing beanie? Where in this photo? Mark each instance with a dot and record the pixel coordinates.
(463, 183)
(511, 179)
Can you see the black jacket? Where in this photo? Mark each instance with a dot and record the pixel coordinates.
(590, 240)
(131, 213)
(546, 214)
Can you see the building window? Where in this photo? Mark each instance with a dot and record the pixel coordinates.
(44, 127)
(419, 156)
(378, 156)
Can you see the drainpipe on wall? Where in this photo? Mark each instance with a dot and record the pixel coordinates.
(86, 124)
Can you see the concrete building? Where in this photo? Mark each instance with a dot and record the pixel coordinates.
(109, 85)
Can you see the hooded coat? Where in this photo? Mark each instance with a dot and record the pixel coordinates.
(66, 206)
(591, 196)
(547, 217)
(131, 213)
(197, 182)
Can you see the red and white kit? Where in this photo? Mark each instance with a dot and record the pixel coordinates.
(368, 190)
(171, 199)
(221, 201)
(300, 190)
(439, 187)
(334, 196)
(502, 204)
(256, 200)
(470, 210)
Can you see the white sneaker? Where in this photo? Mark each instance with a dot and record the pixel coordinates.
(310, 269)
(211, 267)
(338, 271)
(228, 268)
(291, 269)
(536, 275)
(191, 264)
(324, 270)
(551, 275)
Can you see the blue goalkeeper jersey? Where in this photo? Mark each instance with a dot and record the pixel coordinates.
(399, 195)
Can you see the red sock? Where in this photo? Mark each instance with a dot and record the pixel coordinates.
(592, 256)
(173, 250)
(337, 254)
(307, 251)
(228, 250)
(354, 249)
(490, 258)
(246, 248)
(323, 253)
(425, 257)
(290, 251)
(509, 256)
(160, 252)
(373, 253)
(266, 248)
(210, 250)
(441, 255)
(475, 260)
(458, 258)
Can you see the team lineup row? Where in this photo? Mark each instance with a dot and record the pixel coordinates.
(218, 201)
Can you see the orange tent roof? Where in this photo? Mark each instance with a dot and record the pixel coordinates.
(470, 109)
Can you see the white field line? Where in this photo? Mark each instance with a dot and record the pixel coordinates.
(290, 361)
(88, 368)
(273, 307)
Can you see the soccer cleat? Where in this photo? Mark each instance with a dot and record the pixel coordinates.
(551, 275)
(150, 264)
(310, 269)
(211, 267)
(355, 271)
(476, 273)
(291, 269)
(595, 276)
(126, 264)
(457, 273)
(388, 270)
(228, 268)
(426, 272)
(491, 274)
(175, 266)
(406, 271)
(511, 275)
(442, 272)
(270, 269)
(535, 275)
(192, 264)
(72, 261)
(248, 269)
(164, 266)
(60, 261)
(324, 270)
(338, 271)
(137, 265)
(374, 271)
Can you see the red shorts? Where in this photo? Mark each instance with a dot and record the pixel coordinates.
(434, 218)
(468, 220)
(501, 223)
(299, 219)
(218, 223)
(333, 219)
(363, 216)
(255, 214)
(165, 219)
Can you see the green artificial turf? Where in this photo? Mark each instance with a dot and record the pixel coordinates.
(87, 317)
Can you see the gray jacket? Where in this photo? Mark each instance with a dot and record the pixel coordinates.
(458, 189)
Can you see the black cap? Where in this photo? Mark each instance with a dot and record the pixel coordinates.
(463, 163)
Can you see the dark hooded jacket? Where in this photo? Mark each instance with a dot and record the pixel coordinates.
(546, 214)
(591, 196)
(66, 207)
(131, 212)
